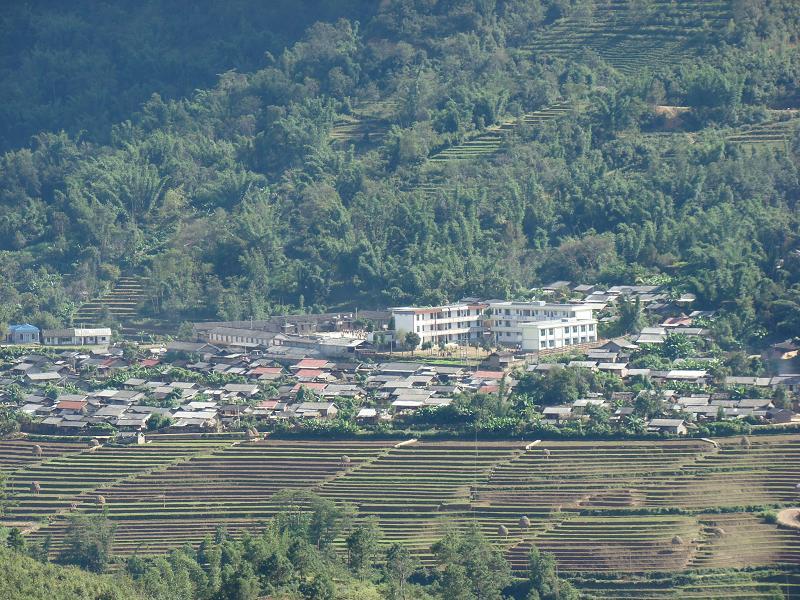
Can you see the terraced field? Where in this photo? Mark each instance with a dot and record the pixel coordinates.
(15, 454)
(772, 133)
(489, 141)
(228, 485)
(632, 508)
(434, 177)
(122, 301)
(632, 40)
(366, 125)
(760, 583)
(71, 480)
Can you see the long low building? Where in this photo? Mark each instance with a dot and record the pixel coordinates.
(76, 336)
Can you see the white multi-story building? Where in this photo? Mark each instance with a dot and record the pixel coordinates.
(506, 317)
(551, 334)
(504, 321)
(454, 323)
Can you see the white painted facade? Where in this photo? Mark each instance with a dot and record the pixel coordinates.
(507, 318)
(453, 323)
(74, 336)
(551, 334)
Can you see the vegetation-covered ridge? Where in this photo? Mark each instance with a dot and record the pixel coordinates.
(236, 202)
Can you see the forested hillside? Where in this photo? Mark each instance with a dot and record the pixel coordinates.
(83, 65)
(306, 181)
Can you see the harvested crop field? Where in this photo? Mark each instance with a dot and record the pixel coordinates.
(630, 507)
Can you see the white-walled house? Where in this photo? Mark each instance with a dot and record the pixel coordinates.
(551, 334)
(75, 336)
(23, 334)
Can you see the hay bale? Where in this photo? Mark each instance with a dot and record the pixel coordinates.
(502, 531)
(716, 531)
(252, 433)
(524, 522)
(95, 443)
(37, 450)
(73, 506)
(35, 487)
(101, 500)
(546, 453)
(677, 541)
(745, 442)
(345, 460)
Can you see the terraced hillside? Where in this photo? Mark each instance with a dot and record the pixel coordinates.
(434, 176)
(757, 583)
(631, 38)
(60, 482)
(630, 509)
(771, 133)
(15, 454)
(489, 141)
(775, 134)
(230, 485)
(122, 302)
(366, 125)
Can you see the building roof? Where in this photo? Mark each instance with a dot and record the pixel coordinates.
(557, 410)
(306, 406)
(71, 405)
(78, 332)
(665, 422)
(489, 374)
(23, 328)
(312, 363)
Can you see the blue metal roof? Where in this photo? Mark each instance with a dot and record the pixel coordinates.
(24, 328)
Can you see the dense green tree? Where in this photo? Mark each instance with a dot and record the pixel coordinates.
(88, 542)
(543, 578)
(400, 566)
(471, 567)
(363, 545)
(631, 316)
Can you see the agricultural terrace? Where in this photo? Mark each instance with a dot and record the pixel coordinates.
(775, 133)
(231, 486)
(15, 454)
(642, 508)
(490, 139)
(122, 301)
(631, 39)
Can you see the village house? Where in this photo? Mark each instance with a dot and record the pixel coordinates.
(322, 410)
(77, 336)
(23, 334)
(669, 426)
(557, 414)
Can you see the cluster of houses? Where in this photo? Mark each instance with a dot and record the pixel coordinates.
(221, 387)
(292, 368)
(197, 386)
(685, 411)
